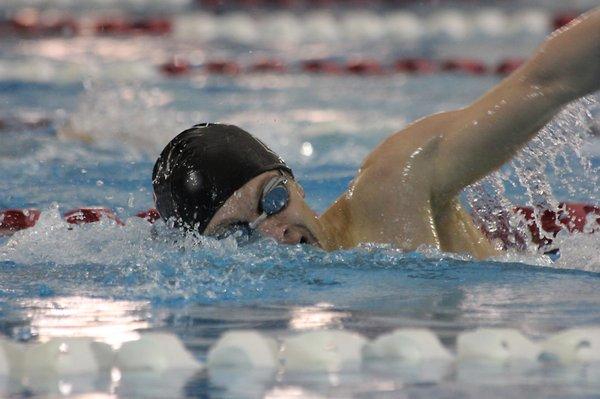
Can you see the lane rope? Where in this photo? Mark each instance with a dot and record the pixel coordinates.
(180, 66)
(570, 216)
(287, 27)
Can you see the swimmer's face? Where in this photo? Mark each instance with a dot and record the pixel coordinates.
(295, 224)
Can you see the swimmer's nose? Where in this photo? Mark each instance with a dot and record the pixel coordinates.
(282, 232)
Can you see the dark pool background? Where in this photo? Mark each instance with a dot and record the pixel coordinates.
(107, 281)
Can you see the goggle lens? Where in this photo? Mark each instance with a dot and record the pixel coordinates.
(275, 200)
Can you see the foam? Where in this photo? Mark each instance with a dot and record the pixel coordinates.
(52, 237)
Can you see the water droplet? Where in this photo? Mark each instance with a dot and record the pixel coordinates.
(63, 347)
(306, 149)
(65, 388)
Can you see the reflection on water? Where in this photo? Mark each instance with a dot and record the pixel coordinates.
(105, 320)
(321, 315)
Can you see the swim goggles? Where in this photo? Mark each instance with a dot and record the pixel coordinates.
(274, 199)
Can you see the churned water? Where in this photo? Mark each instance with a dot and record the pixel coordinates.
(108, 281)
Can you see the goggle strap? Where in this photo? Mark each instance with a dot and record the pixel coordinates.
(273, 183)
(253, 225)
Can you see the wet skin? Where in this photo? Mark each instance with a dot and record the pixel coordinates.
(406, 191)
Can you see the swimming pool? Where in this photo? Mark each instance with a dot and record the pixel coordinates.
(108, 281)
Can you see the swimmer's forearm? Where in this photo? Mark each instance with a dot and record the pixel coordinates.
(567, 64)
(481, 137)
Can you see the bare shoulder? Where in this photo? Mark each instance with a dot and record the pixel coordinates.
(406, 155)
(394, 177)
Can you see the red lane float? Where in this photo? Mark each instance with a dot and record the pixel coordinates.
(151, 215)
(29, 22)
(415, 65)
(176, 67)
(366, 67)
(543, 224)
(570, 216)
(90, 215)
(563, 19)
(473, 67)
(268, 66)
(12, 220)
(222, 68)
(321, 66)
(122, 26)
(509, 65)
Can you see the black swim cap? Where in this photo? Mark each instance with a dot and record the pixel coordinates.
(202, 167)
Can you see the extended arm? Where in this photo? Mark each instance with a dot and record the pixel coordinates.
(478, 139)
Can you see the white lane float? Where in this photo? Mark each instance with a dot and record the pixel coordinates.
(496, 344)
(157, 352)
(320, 26)
(245, 349)
(327, 351)
(577, 345)
(404, 27)
(65, 366)
(448, 24)
(407, 344)
(155, 366)
(67, 356)
(491, 23)
(11, 358)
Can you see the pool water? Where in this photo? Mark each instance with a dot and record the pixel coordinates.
(109, 281)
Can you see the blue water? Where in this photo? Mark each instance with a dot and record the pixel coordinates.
(105, 280)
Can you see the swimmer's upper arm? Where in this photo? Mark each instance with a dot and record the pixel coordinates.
(480, 138)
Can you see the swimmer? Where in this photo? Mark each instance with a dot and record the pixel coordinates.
(216, 178)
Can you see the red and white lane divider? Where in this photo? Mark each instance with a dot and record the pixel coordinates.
(544, 224)
(32, 23)
(365, 67)
(12, 220)
(285, 27)
(573, 217)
